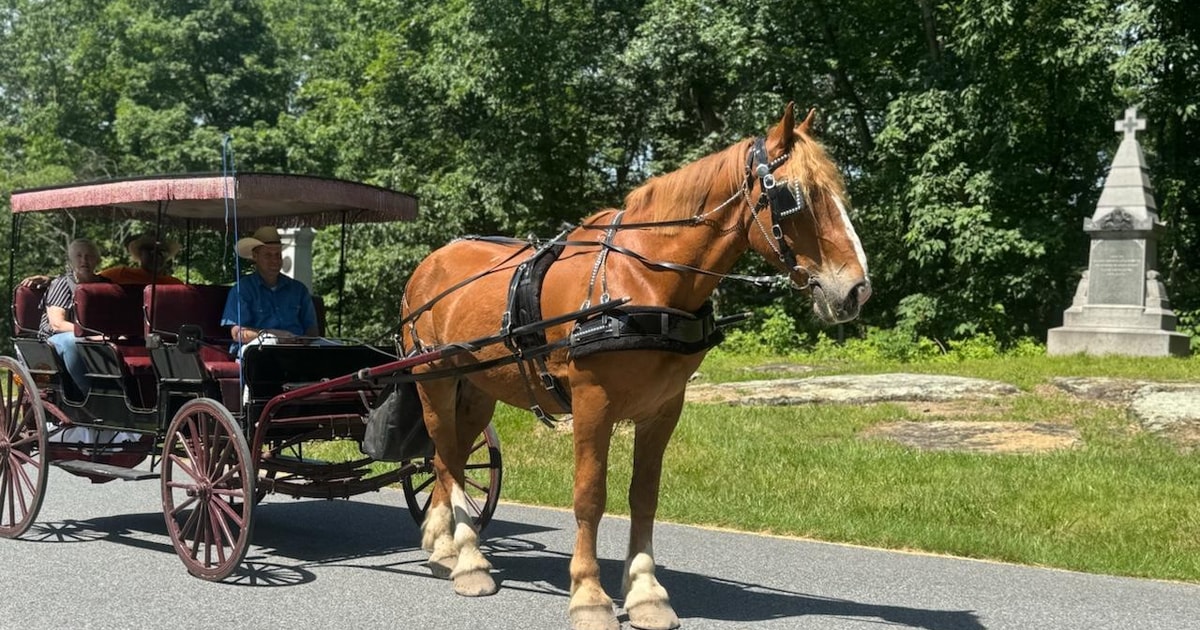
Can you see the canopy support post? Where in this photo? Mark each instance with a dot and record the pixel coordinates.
(342, 276)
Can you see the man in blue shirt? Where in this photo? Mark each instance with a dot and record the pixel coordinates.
(267, 306)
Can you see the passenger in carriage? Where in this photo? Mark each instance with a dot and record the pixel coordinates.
(153, 260)
(267, 306)
(58, 315)
(146, 252)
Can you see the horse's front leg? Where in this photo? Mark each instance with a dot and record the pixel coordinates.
(646, 600)
(590, 607)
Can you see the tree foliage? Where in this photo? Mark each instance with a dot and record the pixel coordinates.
(974, 134)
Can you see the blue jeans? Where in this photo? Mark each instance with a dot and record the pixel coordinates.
(64, 342)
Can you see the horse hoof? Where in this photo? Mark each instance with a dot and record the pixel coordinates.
(653, 615)
(475, 583)
(441, 567)
(594, 618)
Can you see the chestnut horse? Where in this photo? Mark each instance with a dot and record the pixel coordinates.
(681, 233)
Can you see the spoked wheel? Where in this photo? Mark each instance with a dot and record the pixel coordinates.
(23, 458)
(207, 489)
(483, 474)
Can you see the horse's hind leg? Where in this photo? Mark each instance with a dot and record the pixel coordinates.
(437, 531)
(646, 600)
(455, 539)
(472, 574)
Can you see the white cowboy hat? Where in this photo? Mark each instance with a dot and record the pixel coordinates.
(169, 247)
(265, 235)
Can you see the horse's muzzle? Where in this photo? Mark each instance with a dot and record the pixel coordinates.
(835, 305)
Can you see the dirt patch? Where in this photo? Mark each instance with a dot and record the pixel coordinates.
(979, 437)
(959, 408)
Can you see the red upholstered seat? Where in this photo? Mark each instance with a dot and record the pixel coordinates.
(27, 310)
(113, 310)
(119, 358)
(175, 305)
(199, 305)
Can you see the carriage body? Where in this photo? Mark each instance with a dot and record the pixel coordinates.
(168, 400)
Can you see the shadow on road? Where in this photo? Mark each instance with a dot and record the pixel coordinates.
(528, 565)
(292, 540)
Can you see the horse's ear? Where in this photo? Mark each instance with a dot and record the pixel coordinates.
(806, 126)
(782, 135)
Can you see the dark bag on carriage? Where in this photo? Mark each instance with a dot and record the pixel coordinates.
(396, 428)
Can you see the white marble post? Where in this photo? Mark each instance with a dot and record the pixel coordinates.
(297, 253)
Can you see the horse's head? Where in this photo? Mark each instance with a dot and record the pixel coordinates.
(801, 224)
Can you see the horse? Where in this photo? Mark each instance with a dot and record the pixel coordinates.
(678, 235)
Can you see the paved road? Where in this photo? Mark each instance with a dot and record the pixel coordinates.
(99, 558)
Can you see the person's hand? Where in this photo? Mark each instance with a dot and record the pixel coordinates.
(36, 282)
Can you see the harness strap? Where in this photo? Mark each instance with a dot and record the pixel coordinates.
(647, 328)
(774, 196)
(601, 257)
(412, 317)
(524, 307)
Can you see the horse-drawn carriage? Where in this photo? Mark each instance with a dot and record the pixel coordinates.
(219, 434)
(483, 320)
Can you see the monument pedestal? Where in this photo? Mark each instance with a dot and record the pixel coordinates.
(1121, 341)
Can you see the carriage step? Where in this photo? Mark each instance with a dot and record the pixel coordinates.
(79, 466)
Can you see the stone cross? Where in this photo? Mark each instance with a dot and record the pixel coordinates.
(1131, 124)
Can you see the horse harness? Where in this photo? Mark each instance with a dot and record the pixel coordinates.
(625, 327)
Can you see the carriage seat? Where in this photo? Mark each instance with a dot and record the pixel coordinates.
(172, 306)
(319, 307)
(27, 310)
(113, 312)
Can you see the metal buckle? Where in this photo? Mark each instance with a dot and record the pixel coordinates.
(542, 416)
(764, 173)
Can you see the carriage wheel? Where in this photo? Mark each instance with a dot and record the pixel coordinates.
(483, 474)
(22, 449)
(207, 489)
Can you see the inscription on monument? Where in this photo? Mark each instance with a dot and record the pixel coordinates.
(1117, 272)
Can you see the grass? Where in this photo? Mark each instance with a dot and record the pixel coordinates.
(1125, 503)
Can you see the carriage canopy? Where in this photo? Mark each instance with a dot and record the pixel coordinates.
(282, 200)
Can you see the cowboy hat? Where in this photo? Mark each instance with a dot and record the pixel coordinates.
(265, 235)
(168, 247)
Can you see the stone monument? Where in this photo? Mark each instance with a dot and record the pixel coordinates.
(1121, 306)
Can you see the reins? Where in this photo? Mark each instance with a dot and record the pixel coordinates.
(771, 194)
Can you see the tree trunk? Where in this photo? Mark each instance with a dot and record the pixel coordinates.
(842, 81)
(929, 22)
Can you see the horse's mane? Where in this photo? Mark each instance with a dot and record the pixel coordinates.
(688, 191)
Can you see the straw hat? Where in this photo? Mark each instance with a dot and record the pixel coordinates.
(265, 235)
(169, 247)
